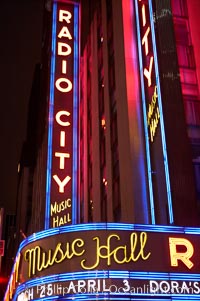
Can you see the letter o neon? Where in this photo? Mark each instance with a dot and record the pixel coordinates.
(64, 80)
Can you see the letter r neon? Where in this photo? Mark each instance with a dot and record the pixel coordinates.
(182, 256)
(65, 15)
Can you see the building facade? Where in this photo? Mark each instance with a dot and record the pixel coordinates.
(108, 198)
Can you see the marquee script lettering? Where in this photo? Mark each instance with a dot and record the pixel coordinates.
(39, 260)
(153, 114)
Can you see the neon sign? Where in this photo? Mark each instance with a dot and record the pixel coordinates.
(13, 278)
(39, 260)
(110, 249)
(183, 256)
(118, 286)
(61, 189)
(155, 140)
(153, 114)
(124, 255)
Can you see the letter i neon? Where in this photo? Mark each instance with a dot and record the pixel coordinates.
(64, 67)
(62, 138)
(143, 15)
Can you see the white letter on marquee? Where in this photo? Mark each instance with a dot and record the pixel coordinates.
(68, 88)
(64, 66)
(59, 121)
(60, 49)
(65, 15)
(60, 183)
(145, 41)
(65, 33)
(147, 73)
(62, 157)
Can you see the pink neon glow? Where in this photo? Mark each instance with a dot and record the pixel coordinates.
(130, 51)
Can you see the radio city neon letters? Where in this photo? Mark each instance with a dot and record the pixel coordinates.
(147, 72)
(63, 118)
(64, 50)
(62, 183)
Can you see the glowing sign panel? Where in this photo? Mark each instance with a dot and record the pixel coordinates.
(97, 259)
(116, 286)
(60, 200)
(152, 104)
(153, 114)
(122, 250)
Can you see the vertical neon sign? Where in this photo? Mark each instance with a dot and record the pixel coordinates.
(62, 160)
(157, 162)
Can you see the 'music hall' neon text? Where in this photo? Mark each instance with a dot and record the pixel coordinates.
(39, 260)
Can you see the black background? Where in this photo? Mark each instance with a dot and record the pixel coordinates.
(20, 48)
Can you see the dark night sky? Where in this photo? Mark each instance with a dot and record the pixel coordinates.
(20, 47)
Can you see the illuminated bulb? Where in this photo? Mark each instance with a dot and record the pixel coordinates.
(105, 182)
(103, 123)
